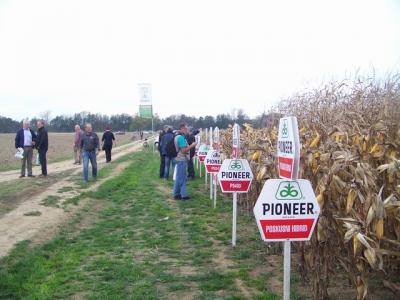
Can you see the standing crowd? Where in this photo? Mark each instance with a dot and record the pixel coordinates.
(86, 146)
(177, 149)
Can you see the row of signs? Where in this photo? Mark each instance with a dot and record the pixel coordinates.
(286, 209)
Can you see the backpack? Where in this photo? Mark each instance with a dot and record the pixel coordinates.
(170, 148)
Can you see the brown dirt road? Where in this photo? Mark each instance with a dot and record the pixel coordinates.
(16, 227)
(66, 164)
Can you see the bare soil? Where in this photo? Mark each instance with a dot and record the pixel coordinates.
(15, 227)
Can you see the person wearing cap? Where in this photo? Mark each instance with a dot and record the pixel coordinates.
(108, 140)
(26, 139)
(183, 150)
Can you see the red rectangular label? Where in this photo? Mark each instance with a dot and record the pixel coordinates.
(213, 168)
(234, 185)
(235, 152)
(287, 229)
(285, 166)
(202, 158)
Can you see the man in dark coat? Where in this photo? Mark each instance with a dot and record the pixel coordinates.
(168, 158)
(42, 145)
(108, 140)
(26, 139)
(162, 158)
(191, 138)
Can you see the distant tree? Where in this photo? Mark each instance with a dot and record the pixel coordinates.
(209, 121)
(125, 122)
(8, 125)
(46, 116)
(223, 121)
(241, 117)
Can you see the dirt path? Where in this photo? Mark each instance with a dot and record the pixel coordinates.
(68, 164)
(16, 226)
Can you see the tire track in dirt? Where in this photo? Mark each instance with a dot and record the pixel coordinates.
(15, 227)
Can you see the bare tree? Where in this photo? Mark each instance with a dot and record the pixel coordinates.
(46, 116)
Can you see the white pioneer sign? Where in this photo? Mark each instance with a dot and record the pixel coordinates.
(286, 210)
(213, 161)
(235, 175)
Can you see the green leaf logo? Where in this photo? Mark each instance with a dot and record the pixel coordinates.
(285, 129)
(235, 165)
(288, 190)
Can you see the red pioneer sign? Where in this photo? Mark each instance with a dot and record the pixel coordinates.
(213, 161)
(286, 210)
(202, 153)
(235, 176)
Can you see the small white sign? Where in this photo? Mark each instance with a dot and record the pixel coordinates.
(213, 161)
(288, 148)
(236, 141)
(235, 175)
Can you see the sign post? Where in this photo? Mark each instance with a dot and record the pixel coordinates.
(235, 154)
(198, 142)
(235, 177)
(213, 164)
(211, 148)
(215, 179)
(287, 209)
(146, 105)
(206, 140)
(202, 153)
(197, 152)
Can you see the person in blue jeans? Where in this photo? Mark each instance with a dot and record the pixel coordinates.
(183, 155)
(90, 146)
(169, 157)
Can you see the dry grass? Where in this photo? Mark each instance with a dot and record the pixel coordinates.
(61, 148)
(350, 138)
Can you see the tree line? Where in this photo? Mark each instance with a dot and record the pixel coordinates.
(125, 122)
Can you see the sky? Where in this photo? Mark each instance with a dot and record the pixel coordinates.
(200, 57)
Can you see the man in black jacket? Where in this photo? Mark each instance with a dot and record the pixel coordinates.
(42, 145)
(191, 138)
(162, 158)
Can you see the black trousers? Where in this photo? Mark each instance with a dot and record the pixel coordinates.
(43, 161)
(162, 165)
(190, 168)
(107, 149)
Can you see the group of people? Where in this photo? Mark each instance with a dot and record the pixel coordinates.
(28, 140)
(177, 149)
(86, 146)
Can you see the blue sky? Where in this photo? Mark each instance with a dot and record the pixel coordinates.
(201, 57)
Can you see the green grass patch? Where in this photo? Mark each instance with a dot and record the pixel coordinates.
(65, 189)
(51, 200)
(141, 244)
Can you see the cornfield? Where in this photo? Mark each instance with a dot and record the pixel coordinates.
(350, 138)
